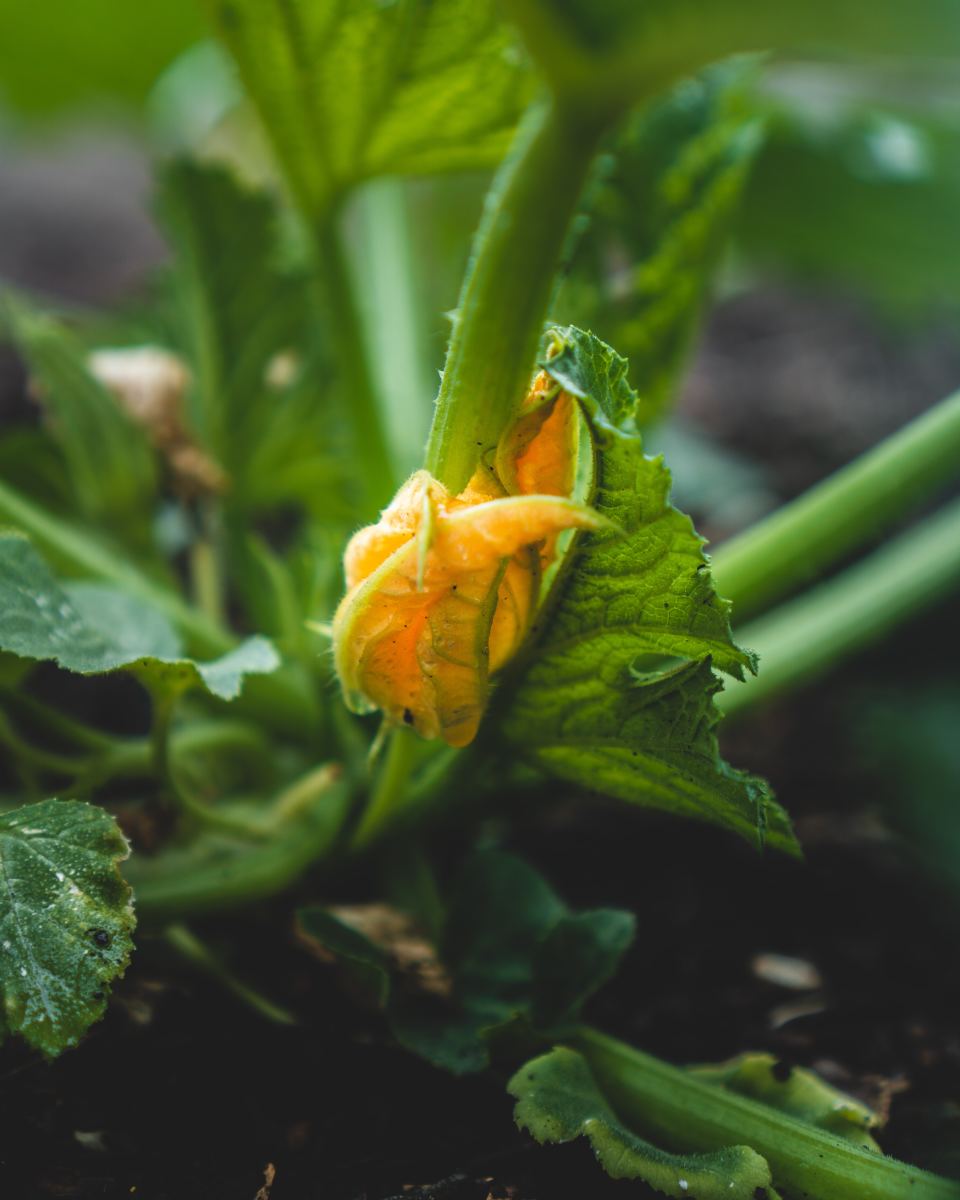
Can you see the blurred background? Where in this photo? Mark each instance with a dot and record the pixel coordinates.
(833, 321)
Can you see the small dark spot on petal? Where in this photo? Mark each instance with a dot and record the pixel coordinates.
(407, 717)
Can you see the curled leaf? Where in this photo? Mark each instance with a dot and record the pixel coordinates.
(558, 1100)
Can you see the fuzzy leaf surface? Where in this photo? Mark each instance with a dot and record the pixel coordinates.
(558, 1101)
(66, 919)
(617, 695)
(92, 629)
(349, 92)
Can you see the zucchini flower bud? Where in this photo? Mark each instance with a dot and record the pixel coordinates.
(442, 589)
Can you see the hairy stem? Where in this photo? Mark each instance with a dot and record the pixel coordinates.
(508, 288)
(795, 544)
(807, 636)
(687, 1114)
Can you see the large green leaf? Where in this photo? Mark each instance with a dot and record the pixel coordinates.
(241, 318)
(93, 628)
(611, 54)
(514, 951)
(558, 1100)
(66, 919)
(63, 53)
(108, 457)
(659, 221)
(616, 693)
(351, 91)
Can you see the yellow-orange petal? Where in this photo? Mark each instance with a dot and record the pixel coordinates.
(421, 649)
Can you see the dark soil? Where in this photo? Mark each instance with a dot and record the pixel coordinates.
(183, 1094)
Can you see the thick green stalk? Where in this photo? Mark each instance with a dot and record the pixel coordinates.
(811, 634)
(508, 288)
(373, 464)
(796, 543)
(392, 306)
(684, 1113)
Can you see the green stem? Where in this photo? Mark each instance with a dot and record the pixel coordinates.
(48, 760)
(58, 723)
(216, 872)
(795, 544)
(391, 783)
(811, 634)
(687, 1114)
(374, 467)
(164, 703)
(508, 288)
(392, 306)
(200, 956)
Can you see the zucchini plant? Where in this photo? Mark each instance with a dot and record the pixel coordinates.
(199, 510)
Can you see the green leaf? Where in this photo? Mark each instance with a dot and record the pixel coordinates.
(861, 194)
(110, 462)
(797, 1092)
(92, 629)
(66, 54)
(242, 319)
(66, 919)
(558, 1101)
(608, 56)
(349, 92)
(616, 694)
(514, 951)
(659, 221)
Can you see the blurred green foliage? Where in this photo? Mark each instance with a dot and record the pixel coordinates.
(63, 54)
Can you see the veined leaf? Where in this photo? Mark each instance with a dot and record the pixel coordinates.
(558, 1101)
(514, 951)
(617, 693)
(109, 460)
(92, 629)
(66, 919)
(659, 222)
(348, 92)
(261, 392)
(608, 56)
